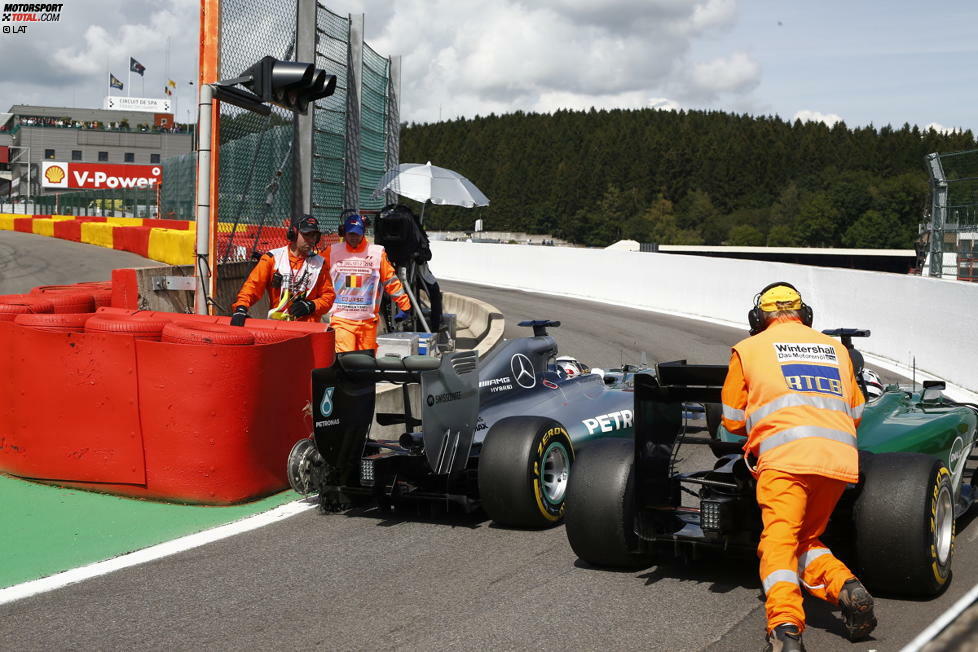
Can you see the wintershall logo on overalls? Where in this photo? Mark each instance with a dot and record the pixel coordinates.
(805, 352)
(812, 378)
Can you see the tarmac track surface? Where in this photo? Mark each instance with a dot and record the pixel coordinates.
(363, 580)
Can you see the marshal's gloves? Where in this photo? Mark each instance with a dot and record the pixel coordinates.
(239, 316)
(400, 316)
(302, 308)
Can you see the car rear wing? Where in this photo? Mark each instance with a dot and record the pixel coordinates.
(659, 421)
(344, 400)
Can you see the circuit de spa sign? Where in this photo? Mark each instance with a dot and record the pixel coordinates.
(100, 176)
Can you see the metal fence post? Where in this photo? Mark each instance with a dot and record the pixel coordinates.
(938, 214)
(351, 193)
(203, 198)
(305, 50)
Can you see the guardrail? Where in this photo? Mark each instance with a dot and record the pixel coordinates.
(917, 322)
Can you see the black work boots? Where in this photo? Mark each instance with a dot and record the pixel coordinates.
(785, 638)
(857, 610)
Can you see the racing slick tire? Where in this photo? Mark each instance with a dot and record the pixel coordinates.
(523, 471)
(714, 417)
(601, 506)
(904, 524)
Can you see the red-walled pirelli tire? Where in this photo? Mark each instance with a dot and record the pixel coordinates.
(58, 323)
(270, 336)
(196, 333)
(12, 305)
(141, 329)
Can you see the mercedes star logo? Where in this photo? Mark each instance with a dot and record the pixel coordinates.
(523, 371)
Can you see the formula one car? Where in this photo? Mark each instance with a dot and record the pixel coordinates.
(896, 527)
(501, 433)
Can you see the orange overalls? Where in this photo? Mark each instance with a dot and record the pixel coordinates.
(793, 392)
(257, 283)
(358, 276)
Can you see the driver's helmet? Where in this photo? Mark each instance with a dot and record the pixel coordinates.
(570, 366)
(874, 384)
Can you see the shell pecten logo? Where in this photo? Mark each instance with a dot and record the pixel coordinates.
(54, 175)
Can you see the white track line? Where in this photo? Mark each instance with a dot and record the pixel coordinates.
(938, 625)
(33, 587)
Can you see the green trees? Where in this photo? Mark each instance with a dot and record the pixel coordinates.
(685, 177)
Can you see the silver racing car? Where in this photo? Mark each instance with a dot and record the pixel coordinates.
(500, 433)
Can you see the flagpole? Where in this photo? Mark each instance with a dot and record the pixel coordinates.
(129, 79)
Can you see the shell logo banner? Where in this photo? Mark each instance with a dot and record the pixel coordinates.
(99, 176)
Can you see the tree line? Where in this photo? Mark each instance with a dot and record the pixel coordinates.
(686, 177)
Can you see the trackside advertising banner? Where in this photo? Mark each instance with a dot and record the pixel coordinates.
(99, 176)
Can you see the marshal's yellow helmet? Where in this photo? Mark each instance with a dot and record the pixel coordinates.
(780, 297)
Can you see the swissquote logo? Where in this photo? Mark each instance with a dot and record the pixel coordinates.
(799, 352)
(100, 177)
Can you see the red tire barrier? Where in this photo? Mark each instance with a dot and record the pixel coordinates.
(202, 333)
(269, 336)
(63, 323)
(127, 436)
(141, 329)
(101, 290)
(67, 298)
(12, 305)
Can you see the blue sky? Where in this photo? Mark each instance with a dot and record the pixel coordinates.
(865, 63)
(879, 63)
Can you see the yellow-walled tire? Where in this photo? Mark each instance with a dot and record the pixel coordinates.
(904, 524)
(524, 467)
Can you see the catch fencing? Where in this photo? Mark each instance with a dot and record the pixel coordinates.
(351, 131)
(951, 237)
(102, 203)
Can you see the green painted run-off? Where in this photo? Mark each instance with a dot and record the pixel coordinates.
(45, 530)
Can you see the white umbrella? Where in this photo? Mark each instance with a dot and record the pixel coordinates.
(430, 183)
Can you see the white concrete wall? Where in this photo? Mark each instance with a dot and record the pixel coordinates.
(911, 317)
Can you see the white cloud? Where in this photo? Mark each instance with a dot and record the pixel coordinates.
(477, 58)
(552, 101)
(806, 115)
(67, 63)
(941, 129)
(737, 74)
(459, 57)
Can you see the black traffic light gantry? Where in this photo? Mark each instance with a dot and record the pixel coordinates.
(291, 85)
